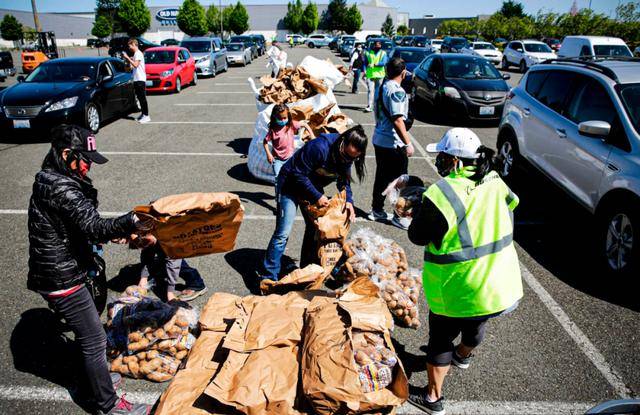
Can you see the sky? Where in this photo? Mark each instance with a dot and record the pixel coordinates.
(415, 8)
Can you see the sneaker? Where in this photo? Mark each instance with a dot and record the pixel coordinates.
(124, 407)
(144, 119)
(368, 109)
(461, 362)
(378, 215)
(402, 223)
(116, 380)
(191, 294)
(79, 393)
(139, 117)
(432, 408)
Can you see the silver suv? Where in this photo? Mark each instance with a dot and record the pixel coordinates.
(578, 122)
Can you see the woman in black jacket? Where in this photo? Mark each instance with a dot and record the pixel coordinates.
(63, 226)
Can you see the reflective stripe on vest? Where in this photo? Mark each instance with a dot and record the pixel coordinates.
(375, 72)
(468, 251)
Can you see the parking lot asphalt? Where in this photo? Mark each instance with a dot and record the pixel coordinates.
(573, 341)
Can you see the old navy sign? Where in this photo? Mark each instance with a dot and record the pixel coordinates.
(167, 17)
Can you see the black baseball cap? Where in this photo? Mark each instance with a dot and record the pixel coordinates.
(78, 139)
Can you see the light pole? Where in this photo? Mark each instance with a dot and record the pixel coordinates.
(36, 20)
(221, 32)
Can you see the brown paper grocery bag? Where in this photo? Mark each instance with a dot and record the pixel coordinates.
(310, 277)
(194, 224)
(219, 312)
(184, 395)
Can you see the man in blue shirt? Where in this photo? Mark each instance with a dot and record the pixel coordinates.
(302, 179)
(391, 140)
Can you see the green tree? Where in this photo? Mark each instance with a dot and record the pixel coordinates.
(512, 8)
(310, 19)
(102, 27)
(29, 34)
(387, 27)
(10, 28)
(109, 9)
(352, 20)
(293, 18)
(226, 18)
(191, 18)
(546, 24)
(403, 30)
(134, 17)
(239, 19)
(213, 20)
(334, 17)
(585, 22)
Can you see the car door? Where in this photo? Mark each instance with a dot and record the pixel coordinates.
(221, 52)
(509, 52)
(584, 159)
(187, 67)
(420, 77)
(435, 76)
(124, 83)
(109, 94)
(544, 122)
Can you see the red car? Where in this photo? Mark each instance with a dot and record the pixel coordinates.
(169, 68)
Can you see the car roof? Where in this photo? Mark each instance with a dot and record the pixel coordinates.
(481, 41)
(447, 56)
(529, 41)
(600, 39)
(625, 71)
(161, 48)
(411, 49)
(81, 59)
(199, 38)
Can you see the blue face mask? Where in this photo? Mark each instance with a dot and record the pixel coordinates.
(282, 123)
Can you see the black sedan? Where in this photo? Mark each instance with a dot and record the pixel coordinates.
(412, 57)
(82, 91)
(456, 84)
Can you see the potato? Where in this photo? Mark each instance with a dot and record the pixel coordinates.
(399, 312)
(147, 330)
(159, 334)
(182, 323)
(413, 312)
(159, 377)
(362, 358)
(141, 345)
(128, 359)
(152, 354)
(169, 323)
(407, 320)
(149, 336)
(165, 344)
(392, 304)
(134, 368)
(181, 354)
(173, 350)
(141, 355)
(135, 336)
(150, 366)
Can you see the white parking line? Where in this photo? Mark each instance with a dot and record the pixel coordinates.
(164, 153)
(205, 122)
(231, 83)
(214, 105)
(582, 341)
(225, 92)
(57, 394)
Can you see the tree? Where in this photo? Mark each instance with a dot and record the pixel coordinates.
(333, 18)
(191, 18)
(213, 20)
(387, 27)
(10, 28)
(352, 20)
(29, 34)
(512, 8)
(102, 27)
(403, 30)
(226, 18)
(546, 25)
(109, 9)
(310, 20)
(134, 17)
(585, 22)
(239, 19)
(293, 18)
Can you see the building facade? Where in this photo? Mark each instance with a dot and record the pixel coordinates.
(428, 26)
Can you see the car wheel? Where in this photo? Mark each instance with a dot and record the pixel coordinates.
(244, 62)
(178, 85)
(505, 64)
(92, 117)
(620, 238)
(214, 70)
(523, 66)
(508, 155)
(195, 79)
(311, 45)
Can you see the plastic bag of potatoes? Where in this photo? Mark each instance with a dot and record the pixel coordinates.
(374, 360)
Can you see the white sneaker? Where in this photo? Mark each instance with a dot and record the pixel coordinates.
(368, 109)
(144, 119)
(378, 215)
(402, 223)
(138, 118)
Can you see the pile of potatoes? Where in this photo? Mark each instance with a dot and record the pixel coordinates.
(374, 361)
(401, 304)
(155, 353)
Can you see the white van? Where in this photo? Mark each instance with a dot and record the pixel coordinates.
(576, 46)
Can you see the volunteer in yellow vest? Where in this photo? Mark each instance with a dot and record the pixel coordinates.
(375, 61)
(471, 269)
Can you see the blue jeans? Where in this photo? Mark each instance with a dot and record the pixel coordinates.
(286, 215)
(356, 80)
(155, 261)
(277, 165)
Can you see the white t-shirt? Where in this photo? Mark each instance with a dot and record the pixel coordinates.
(139, 73)
(396, 102)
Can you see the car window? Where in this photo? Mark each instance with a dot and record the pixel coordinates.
(104, 70)
(159, 56)
(555, 89)
(186, 53)
(585, 51)
(197, 46)
(534, 82)
(63, 72)
(537, 48)
(611, 50)
(436, 68)
(118, 65)
(630, 95)
(411, 56)
(591, 103)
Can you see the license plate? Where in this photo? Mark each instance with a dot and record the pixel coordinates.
(487, 110)
(21, 124)
(149, 83)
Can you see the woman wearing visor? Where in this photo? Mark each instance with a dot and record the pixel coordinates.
(302, 179)
(471, 269)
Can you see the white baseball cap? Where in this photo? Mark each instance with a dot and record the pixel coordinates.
(458, 142)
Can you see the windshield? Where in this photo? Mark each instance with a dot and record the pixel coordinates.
(470, 69)
(411, 56)
(241, 39)
(480, 46)
(386, 44)
(537, 48)
(235, 47)
(63, 72)
(197, 46)
(611, 50)
(437, 42)
(458, 42)
(421, 39)
(631, 98)
(160, 56)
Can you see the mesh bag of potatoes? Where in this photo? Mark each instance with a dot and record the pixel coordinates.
(375, 361)
(147, 338)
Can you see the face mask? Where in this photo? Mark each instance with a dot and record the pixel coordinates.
(442, 165)
(282, 123)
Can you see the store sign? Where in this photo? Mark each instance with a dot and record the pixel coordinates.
(167, 16)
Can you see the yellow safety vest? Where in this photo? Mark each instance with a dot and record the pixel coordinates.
(372, 71)
(475, 271)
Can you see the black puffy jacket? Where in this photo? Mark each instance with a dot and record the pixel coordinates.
(63, 225)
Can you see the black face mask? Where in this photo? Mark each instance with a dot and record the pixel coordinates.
(443, 164)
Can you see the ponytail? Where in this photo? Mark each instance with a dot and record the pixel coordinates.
(484, 163)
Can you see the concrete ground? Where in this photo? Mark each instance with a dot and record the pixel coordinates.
(572, 342)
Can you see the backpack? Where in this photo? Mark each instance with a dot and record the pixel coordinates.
(408, 122)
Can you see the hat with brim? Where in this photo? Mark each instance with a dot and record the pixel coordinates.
(95, 157)
(457, 142)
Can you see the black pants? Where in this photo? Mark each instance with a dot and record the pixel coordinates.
(444, 330)
(390, 163)
(156, 263)
(309, 250)
(140, 88)
(81, 316)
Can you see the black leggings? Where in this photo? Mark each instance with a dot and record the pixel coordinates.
(81, 316)
(390, 164)
(140, 88)
(444, 330)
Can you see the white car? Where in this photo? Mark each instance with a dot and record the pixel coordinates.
(297, 39)
(578, 46)
(636, 52)
(526, 53)
(484, 50)
(435, 44)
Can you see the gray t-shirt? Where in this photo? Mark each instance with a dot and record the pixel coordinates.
(396, 102)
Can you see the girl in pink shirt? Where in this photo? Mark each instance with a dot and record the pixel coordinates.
(282, 129)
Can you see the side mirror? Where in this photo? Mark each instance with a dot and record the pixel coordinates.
(20, 78)
(506, 76)
(106, 78)
(520, 50)
(596, 129)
